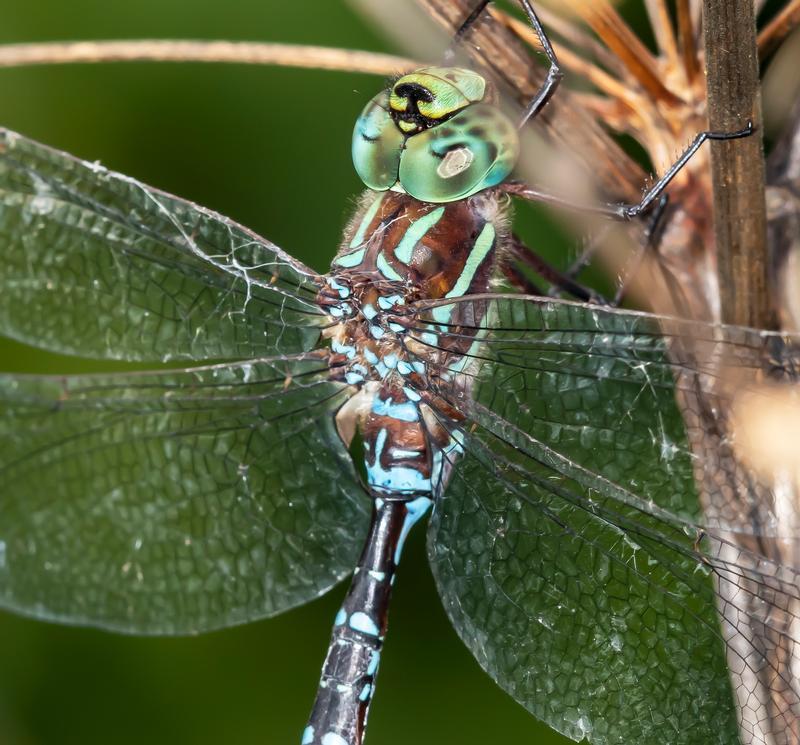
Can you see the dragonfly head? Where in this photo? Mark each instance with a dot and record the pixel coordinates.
(436, 135)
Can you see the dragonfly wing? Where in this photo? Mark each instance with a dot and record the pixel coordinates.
(598, 632)
(175, 502)
(570, 547)
(97, 264)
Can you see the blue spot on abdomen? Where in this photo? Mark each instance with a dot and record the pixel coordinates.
(360, 621)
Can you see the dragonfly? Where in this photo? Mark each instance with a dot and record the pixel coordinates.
(541, 436)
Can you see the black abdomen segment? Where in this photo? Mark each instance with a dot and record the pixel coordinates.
(339, 714)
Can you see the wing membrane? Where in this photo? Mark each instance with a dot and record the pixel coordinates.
(574, 552)
(100, 265)
(596, 389)
(174, 502)
(582, 614)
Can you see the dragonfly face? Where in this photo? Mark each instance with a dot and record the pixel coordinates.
(437, 135)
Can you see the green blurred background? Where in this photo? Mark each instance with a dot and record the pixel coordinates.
(270, 148)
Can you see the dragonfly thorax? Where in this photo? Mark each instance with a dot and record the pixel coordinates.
(436, 134)
(367, 340)
(397, 256)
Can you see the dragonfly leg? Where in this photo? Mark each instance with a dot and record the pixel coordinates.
(554, 73)
(566, 281)
(339, 714)
(560, 281)
(468, 23)
(574, 270)
(649, 199)
(656, 224)
(652, 239)
(517, 278)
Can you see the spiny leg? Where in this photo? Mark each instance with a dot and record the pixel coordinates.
(464, 28)
(652, 240)
(517, 279)
(650, 246)
(654, 200)
(566, 282)
(651, 196)
(554, 73)
(560, 281)
(585, 258)
(655, 231)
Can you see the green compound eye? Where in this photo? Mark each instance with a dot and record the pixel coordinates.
(474, 150)
(437, 91)
(377, 145)
(399, 141)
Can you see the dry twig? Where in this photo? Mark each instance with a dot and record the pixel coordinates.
(166, 50)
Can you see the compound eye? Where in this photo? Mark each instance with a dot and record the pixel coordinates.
(431, 98)
(422, 98)
(474, 150)
(377, 145)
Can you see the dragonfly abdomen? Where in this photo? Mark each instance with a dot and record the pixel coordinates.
(347, 682)
(400, 486)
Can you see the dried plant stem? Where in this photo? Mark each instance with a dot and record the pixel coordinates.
(740, 221)
(165, 50)
(620, 38)
(661, 23)
(778, 29)
(686, 34)
(572, 34)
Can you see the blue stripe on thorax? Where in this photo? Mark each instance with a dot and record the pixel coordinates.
(415, 233)
(354, 258)
(348, 261)
(484, 243)
(369, 216)
(386, 269)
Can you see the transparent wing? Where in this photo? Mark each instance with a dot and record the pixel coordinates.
(572, 549)
(175, 502)
(625, 398)
(584, 614)
(100, 265)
